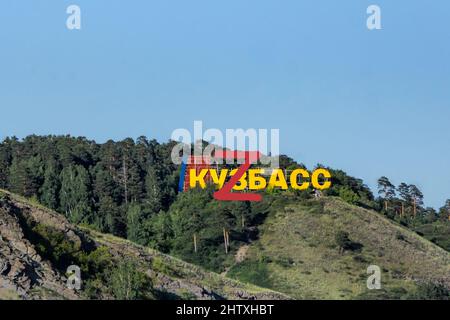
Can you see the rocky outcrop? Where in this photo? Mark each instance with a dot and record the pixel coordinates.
(183, 279)
(22, 270)
(24, 274)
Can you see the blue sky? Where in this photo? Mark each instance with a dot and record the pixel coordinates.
(370, 102)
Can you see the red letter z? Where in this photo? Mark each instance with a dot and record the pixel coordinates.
(225, 193)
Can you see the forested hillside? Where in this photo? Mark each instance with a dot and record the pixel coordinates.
(109, 186)
(129, 189)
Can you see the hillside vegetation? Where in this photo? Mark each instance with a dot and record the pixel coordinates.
(298, 254)
(290, 241)
(37, 245)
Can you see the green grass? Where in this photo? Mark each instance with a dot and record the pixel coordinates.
(178, 269)
(152, 262)
(251, 271)
(298, 255)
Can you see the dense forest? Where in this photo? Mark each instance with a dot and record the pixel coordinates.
(129, 189)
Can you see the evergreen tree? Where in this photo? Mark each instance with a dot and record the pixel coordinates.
(75, 194)
(105, 185)
(5, 160)
(35, 176)
(26, 176)
(444, 212)
(136, 227)
(403, 190)
(386, 189)
(154, 196)
(109, 218)
(161, 233)
(50, 189)
(17, 177)
(416, 197)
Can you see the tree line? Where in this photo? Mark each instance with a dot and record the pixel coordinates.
(95, 184)
(407, 200)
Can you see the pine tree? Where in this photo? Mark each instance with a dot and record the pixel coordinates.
(17, 177)
(105, 185)
(50, 189)
(34, 176)
(404, 192)
(109, 218)
(386, 189)
(154, 196)
(161, 233)
(5, 160)
(75, 194)
(444, 212)
(416, 197)
(136, 227)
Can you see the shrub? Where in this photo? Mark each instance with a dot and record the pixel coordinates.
(252, 272)
(432, 291)
(285, 262)
(348, 195)
(399, 236)
(127, 282)
(344, 243)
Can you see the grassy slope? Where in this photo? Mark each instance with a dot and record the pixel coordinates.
(177, 269)
(297, 252)
(162, 267)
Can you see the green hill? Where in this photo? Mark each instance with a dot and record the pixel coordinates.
(297, 253)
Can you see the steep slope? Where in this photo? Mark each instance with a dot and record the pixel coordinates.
(298, 254)
(23, 273)
(26, 271)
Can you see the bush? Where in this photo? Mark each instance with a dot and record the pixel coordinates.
(344, 243)
(285, 262)
(55, 246)
(127, 282)
(252, 272)
(3, 197)
(347, 194)
(432, 291)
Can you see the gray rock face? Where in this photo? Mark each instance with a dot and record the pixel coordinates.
(22, 270)
(24, 274)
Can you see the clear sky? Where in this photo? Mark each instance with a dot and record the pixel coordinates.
(369, 102)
